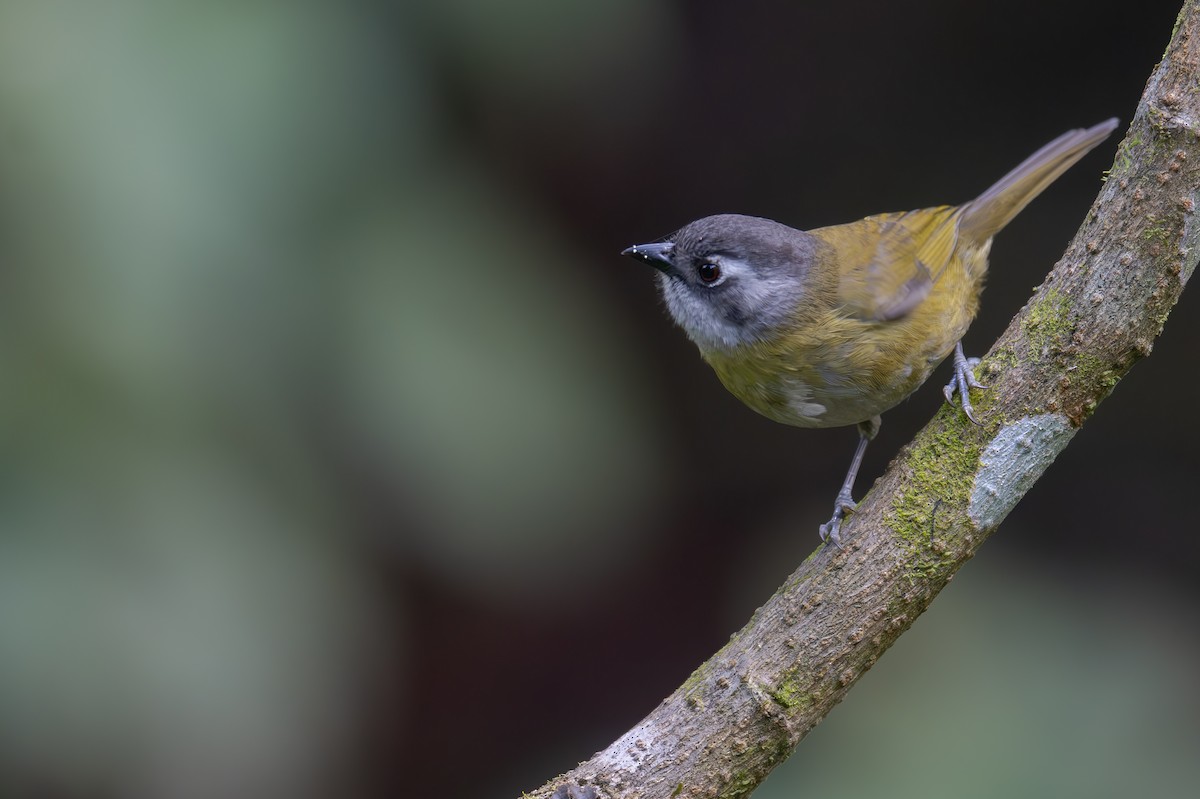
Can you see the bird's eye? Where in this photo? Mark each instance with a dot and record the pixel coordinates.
(709, 272)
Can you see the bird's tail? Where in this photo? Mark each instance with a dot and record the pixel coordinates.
(984, 216)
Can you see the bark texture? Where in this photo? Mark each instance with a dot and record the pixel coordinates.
(743, 711)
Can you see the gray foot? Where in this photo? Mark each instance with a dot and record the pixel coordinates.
(830, 531)
(963, 381)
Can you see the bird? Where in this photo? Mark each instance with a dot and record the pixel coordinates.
(834, 326)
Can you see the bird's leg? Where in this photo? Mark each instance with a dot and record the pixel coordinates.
(845, 499)
(963, 381)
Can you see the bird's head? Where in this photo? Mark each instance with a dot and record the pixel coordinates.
(731, 280)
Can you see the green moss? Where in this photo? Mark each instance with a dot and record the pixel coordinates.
(740, 784)
(1047, 324)
(1124, 160)
(1093, 378)
(943, 467)
(1159, 230)
(756, 761)
(692, 689)
(1093, 371)
(1000, 360)
(790, 693)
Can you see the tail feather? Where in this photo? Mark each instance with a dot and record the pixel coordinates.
(984, 216)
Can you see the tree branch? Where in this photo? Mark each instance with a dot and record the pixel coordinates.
(742, 712)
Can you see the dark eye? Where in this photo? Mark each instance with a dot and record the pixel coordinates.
(708, 271)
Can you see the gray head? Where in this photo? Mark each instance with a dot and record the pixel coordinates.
(730, 280)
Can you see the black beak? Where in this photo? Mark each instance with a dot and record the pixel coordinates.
(657, 255)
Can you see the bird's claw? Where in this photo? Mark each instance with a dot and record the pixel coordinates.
(830, 531)
(962, 382)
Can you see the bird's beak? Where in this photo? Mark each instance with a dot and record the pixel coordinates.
(657, 255)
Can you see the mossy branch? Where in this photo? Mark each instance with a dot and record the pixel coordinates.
(742, 712)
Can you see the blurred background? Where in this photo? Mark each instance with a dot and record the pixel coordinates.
(342, 456)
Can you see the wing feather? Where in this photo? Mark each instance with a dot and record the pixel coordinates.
(890, 262)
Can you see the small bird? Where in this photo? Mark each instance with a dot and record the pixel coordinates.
(836, 325)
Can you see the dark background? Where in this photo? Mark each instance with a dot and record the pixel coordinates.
(343, 456)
